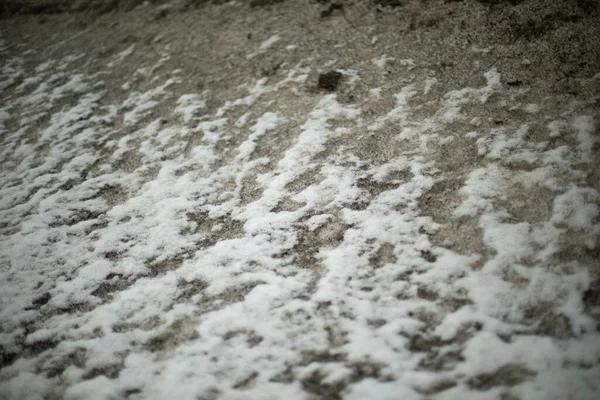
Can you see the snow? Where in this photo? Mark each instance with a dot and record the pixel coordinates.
(264, 46)
(269, 42)
(577, 208)
(139, 249)
(190, 104)
(141, 103)
(382, 61)
(121, 56)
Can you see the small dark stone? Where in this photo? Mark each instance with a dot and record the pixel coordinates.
(330, 80)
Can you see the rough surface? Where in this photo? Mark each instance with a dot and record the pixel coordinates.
(299, 199)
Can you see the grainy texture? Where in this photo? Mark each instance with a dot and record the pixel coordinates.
(202, 199)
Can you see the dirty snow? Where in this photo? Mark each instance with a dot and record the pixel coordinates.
(135, 265)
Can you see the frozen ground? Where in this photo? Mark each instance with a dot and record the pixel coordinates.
(300, 200)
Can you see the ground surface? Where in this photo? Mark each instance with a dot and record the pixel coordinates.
(300, 200)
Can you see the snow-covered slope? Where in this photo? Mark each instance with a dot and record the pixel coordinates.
(220, 225)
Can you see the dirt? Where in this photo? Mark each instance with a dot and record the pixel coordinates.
(546, 46)
(507, 375)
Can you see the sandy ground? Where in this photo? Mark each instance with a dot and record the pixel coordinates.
(300, 199)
